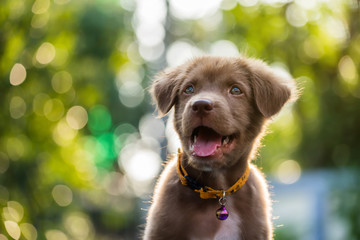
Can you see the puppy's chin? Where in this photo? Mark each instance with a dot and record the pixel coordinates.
(201, 166)
(206, 165)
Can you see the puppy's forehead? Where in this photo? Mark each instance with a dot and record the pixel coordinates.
(216, 69)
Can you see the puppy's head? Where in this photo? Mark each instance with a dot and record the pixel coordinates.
(221, 105)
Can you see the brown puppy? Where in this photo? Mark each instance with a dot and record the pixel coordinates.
(221, 109)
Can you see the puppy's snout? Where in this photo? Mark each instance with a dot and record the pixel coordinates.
(201, 106)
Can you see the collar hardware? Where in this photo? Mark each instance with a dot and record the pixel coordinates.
(205, 191)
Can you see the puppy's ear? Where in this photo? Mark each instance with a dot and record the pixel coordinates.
(271, 90)
(164, 89)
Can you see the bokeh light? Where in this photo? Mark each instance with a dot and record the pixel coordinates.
(336, 29)
(115, 183)
(14, 211)
(143, 165)
(62, 195)
(40, 20)
(130, 72)
(13, 229)
(40, 6)
(17, 107)
(105, 147)
(17, 74)
(63, 134)
(149, 28)
(151, 127)
(61, 82)
(77, 117)
(188, 9)
(150, 35)
(139, 161)
(54, 109)
(102, 148)
(3, 237)
(131, 94)
(289, 172)
(122, 134)
(181, 51)
(15, 147)
(46, 53)
(212, 22)
(296, 15)
(313, 48)
(152, 53)
(79, 226)
(99, 119)
(39, 103)
(55, 235)
(348, 70)
(85, 164)
(224, 48)
(29, 231)
(248, 3)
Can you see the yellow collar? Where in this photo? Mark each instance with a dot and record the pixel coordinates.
(204, 191)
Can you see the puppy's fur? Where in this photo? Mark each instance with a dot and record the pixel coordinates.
(231, 97)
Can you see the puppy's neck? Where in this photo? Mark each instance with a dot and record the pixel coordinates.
(217, 178)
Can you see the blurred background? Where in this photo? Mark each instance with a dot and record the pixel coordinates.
(80, 144)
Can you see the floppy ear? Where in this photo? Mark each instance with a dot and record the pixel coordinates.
(271, 90)
(164, 89)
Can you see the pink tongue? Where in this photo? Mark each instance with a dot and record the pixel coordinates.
(206, 143)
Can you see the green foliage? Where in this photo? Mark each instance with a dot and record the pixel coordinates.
(59, 115)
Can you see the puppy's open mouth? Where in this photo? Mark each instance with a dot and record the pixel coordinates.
(206, 142)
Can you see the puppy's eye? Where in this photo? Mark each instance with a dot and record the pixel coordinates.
(235, 91)
(189, 90)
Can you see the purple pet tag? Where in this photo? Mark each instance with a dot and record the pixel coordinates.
(222, 213)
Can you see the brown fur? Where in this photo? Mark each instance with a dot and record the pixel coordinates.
(177, 212)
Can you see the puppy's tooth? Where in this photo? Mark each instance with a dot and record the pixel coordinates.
(226, 140)
(195, 139)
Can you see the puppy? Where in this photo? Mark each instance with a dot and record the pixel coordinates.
(210, 190)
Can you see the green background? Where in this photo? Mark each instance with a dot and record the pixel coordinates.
(62, 180)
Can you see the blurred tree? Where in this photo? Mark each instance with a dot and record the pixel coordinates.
(60, 112)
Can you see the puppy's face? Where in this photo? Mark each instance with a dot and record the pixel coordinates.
(220, 106)
(212, 113)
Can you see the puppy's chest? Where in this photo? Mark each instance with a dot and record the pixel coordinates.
(206, 226)
(229, 228)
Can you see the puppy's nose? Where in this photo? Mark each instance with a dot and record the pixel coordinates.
(202, 106)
